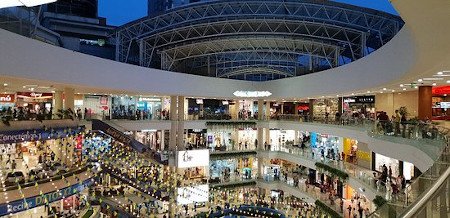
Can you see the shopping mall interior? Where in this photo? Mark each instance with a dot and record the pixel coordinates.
(224, 108)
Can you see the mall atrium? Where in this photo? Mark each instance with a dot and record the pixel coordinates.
(224, 108)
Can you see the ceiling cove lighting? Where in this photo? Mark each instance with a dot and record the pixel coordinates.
(252, 94)
(26, 3)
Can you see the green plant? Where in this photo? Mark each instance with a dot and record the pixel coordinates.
(323, 207)
(403, 111)
(379, 201)
(342, 175)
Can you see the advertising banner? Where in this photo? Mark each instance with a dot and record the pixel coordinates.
(36, 201)
(193, 158)
(7, 137)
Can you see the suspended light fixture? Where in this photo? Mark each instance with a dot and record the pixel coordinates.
(26, 3)
(252, 94)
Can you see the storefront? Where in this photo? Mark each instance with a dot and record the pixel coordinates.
(279, 138)
(359, 104)
(221, 139)
(7, 101)
(34, 101)
(247, 139)
(96, 106)
(151, 138)
(271, 172)
(398, 167)
(325, 109)
(327, 145)
(150, 107)
(124, 107)
(247, 109)
(441, 103)
(196, 138)
(233, 168)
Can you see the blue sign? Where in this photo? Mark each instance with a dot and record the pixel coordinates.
(313, 140)
(36, 201)
(36, 134)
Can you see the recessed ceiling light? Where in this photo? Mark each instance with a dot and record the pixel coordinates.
(384, 89)
(448, 81)
(440, 73)
(5, 84)
(337, 95)
(323, 96)
(404, 89)
(420, 80)
(368, 91)
(381, 92)
(393, 90)
(353, 93)
(434, 84)
(416, 87)
(401, 85)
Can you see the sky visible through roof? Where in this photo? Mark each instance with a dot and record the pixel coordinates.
(118, 12)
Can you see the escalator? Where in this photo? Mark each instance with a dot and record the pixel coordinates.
(118, 135)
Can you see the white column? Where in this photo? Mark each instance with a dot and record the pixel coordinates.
(260, 109)
(57, 102)
(267, 112)
(161, 140)
(260, 139)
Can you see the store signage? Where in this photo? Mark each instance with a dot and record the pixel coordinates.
(7, 98)
(148, 99)
(196, 130)
(193, 158)
(34, 95)
(7, 137)
(36, 201)
(360, 99)
(444, 105)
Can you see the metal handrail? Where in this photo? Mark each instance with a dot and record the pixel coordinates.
(428, 195)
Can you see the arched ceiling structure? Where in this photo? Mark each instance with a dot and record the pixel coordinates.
(196, 38)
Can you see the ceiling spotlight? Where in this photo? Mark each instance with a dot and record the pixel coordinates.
(393, 90)
(440, 73)
(434, 84)
(368, 91)
(5, 84)
(420, 80)
(353, 93)
(401, 85)
(404, 89)
(448, 81)
(381, 92)
(384, 89)
(416, 87)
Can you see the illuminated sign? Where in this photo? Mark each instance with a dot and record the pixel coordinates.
(252, 94)
(7, 98)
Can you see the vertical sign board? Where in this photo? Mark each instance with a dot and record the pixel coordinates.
(40, 200)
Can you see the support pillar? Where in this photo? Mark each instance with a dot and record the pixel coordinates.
(295, 108)
(425, 102)
(311, 110)
(161, 140)
(260, 139)
(69, 98)
(234, 110)
(267, 111)
(267, 135)
(173, 123)
(260, 174)
(180, 131)
(260, 110)
(57, 102)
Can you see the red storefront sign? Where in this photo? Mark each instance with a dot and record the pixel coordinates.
(7, 98)
(441, 90)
